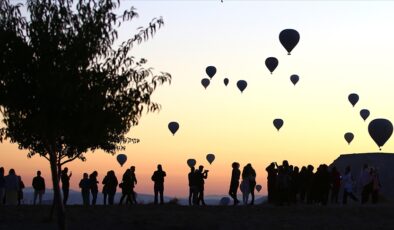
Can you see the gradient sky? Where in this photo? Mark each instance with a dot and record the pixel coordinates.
(345, 47)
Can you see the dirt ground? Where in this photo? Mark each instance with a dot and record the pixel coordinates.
(210, 217)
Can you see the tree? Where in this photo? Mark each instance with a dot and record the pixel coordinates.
(64, 89)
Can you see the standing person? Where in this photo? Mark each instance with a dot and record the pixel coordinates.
(11, 188)
(248, 173)
(39, 187)
(303, 183)
(126, 187)
(158, 179)
(375, 185)
(348, 186)
(105, 183)
(235, 175)
(2, 185)
(201, 175)
(271, 182)
(84, 184)
(65, 178)
(111, 184)
(20, 190)
(365, 180)
(192, 186)
(245, 189)
(133, 184)
(93, 186)
(335, 184)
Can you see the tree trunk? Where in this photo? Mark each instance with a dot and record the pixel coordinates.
(57, 200)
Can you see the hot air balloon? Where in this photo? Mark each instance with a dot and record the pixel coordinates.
(205, 82)
(121, 158)
(278, 123)
(241, 84)
(380, 130)
(294, 79)
(258, 187)
(173, 126)
(211, 71)
(226, 81)
(191, 162)
(353, 98)
(289, 38)
(349, 137)
(271, 63)
(224, 201)
(210, 158)
(364, 113)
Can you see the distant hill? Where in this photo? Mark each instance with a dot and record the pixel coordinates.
(384, 162)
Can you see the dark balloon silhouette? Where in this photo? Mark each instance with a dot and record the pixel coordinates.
(121, 158)
(289, 38)
(205, 82)
(242, 84)
(210, 158)
(353, 98)
(278, 123)
(349, 137)
(173, 126)
(364, 113)
(211, 71)
(380, 130)
(258, 188)
(226, 81)
(191, 162)
(294, 79)
(271, 63)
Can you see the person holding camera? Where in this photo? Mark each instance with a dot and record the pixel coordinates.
(201, 175)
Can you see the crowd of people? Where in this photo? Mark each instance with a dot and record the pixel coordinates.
(286, 184)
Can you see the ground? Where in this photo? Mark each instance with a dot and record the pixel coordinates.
(212, 217)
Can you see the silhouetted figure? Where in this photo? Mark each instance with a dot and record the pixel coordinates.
(193, 187)
(248, 173)
(2, 186)
(283, 186)
(93, 186)
(134, 182)
(365, 181)
(348, 186)
(84, 184)
(294, 184)
(110, 183)
(323, 182)
(335, 184)
(245, 189)
(235, 175)
(201, 175)
(39, 187)
(303, 181)
(127, 187)
(20, 191)
(271, 182)
(12, 184)
(65, 178)
(158, 179)
(310, 190)
(375, 185)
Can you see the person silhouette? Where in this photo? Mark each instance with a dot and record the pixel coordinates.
(133, 183)
(127, 187)
(85, 186)
(110, 183)
(39, 187)
(93, 186)
(65, 178)
(193, 188)
(335, 184)
(245, 189)
(348, 186)
(271, 181)
(201, 175)
(158, 179)
(249, 174)
(234, 183)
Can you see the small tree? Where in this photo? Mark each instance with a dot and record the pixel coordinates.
(64, 88)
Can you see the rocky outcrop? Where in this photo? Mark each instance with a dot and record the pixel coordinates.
(384, 162)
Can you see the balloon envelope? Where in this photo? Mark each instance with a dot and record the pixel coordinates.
(210, 158)
(173, 126)
(226, 81)
(278, 123)
(289, 38)
(353, 98)
(224, 201)
(380, 131)
(211, 71)
(121, 158)
(271, 63)
(191, 162)
(349, 137)
(364, 113)
(242, 84)
(205, 82)
(258, 187)
(294, 79)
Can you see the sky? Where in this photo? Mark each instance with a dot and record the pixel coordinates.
(345, 47)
